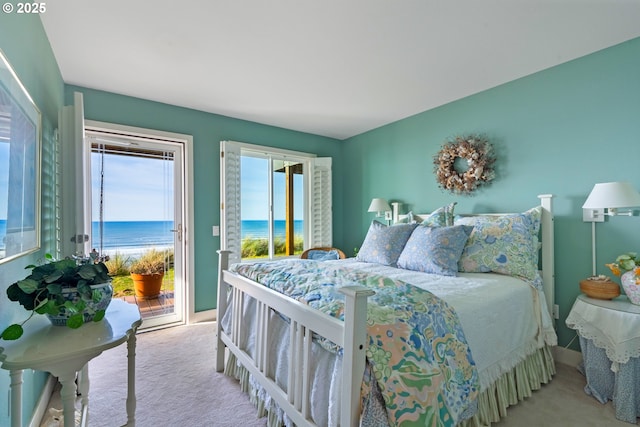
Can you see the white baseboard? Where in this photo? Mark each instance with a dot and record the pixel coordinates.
(204, 316)
(43, 402)
(567, 356)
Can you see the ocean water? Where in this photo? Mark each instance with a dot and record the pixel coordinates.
(127, 235)
(134, 237)
(258, 229)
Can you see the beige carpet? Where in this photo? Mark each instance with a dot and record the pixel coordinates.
(176, 385)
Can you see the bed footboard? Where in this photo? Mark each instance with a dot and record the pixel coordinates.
(351, 335)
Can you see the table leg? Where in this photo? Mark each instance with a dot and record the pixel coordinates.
(131, 380)
(83, 389)
(16, 398)
(68, 395)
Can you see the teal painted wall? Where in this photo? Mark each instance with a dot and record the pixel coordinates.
(558, 131)
(24, 43)
(207, 131)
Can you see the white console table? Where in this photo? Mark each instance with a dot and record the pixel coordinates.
(609, 333)
(65, 352)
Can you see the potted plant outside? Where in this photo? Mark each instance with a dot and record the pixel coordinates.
(147, 273)
(70, 293)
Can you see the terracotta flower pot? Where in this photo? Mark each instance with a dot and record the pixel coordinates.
(147, 285)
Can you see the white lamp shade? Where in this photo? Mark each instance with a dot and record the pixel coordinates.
(379, 205)
(608, 195)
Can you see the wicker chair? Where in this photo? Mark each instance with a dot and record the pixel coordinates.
(305, 254)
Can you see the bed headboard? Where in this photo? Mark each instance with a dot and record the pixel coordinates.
(546, 243)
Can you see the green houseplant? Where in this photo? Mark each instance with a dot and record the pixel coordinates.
(147, 273)
(68, 292)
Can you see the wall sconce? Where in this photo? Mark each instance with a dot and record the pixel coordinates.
(381, 207)
(605, 200)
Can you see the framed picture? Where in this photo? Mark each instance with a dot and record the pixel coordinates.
(20, 137)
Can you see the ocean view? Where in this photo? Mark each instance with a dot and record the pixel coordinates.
(132, 237)
(259, 229)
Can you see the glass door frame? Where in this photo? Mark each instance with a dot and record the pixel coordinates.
(182, 147)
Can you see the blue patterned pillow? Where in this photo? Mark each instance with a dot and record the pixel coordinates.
(320, 255)
(443, 216)
(383, 244)
(435, 250)
(506, 244)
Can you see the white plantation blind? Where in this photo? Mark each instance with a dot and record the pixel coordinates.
(75, 191)
(321, 206)
(230, 238)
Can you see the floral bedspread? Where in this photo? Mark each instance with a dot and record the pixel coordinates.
(417, 350)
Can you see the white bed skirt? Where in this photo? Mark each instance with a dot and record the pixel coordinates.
(510, 388)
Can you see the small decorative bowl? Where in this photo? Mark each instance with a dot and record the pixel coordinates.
(600, 287)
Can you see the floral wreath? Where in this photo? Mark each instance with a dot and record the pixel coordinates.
(477, 152)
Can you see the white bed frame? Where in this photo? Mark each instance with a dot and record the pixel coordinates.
(351, 334)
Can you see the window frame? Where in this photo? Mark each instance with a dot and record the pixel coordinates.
(230, 195)
(23, 219)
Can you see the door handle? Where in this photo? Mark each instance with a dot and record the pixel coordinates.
(179, 231)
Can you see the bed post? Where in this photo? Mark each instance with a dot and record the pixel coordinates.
(396, 212)
(548, 269)
(354, 356)
(223, 264)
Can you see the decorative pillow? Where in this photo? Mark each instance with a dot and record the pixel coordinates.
(435, 250)
(506, 244)
(443, 216)
(383, 244)
(320, 255)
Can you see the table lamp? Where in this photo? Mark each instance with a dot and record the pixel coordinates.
(381, 207)
(606, 199)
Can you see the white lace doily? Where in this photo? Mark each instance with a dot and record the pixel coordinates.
(613, 325)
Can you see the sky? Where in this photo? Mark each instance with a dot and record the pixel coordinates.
(254, 201)
(135, 189)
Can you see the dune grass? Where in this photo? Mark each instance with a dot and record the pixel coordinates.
(119, 265)
(259, 248)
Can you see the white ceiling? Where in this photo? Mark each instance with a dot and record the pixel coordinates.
(329, 67)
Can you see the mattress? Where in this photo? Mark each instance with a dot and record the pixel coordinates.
(504, 318)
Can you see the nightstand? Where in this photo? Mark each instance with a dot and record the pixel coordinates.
(609, 332)
(64, 352)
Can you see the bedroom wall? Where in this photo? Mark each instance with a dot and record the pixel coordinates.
(24, 43)
(208, 130)
(558, 131)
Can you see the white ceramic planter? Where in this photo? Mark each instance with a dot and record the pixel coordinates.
(101, 297)
(630, 287)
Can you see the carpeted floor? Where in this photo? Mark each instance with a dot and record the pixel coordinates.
(176, 385)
